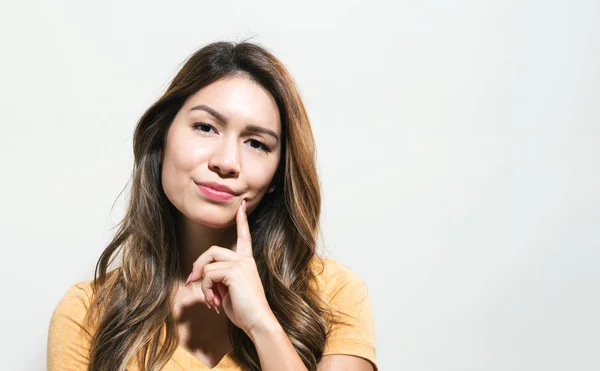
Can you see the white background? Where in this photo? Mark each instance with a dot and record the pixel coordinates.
(458, 147)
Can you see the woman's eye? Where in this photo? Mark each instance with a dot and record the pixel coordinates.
(203, 127)
(257, 144)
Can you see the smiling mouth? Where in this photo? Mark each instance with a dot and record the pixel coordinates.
(215, 194)
(217, 187)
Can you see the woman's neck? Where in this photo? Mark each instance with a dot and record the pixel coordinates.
(201, 330)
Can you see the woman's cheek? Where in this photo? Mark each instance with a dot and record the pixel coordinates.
(194, 154)
(257, 189)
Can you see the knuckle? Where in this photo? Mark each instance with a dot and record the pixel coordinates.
(206, 283)
(237, 271)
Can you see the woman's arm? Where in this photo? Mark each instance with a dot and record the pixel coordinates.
(274, 348)
(276, 352)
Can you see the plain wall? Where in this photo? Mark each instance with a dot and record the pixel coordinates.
(458, 148)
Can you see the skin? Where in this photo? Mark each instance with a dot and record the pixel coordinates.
(230, 147)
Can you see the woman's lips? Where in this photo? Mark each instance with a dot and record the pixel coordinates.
(214, 194)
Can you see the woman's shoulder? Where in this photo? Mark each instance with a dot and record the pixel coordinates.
(328, 267)
(69, 334)
(332, 277)
(75, 302)
(76, 298)
(347, 295)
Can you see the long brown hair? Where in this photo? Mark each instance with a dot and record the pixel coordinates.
(131, 309)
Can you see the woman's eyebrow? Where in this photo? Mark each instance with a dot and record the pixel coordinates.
(223, 119)
(260, 129)
(212, 111)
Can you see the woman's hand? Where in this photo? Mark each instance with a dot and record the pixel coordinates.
(230, 279)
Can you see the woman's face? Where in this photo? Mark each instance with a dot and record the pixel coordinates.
(227, 134)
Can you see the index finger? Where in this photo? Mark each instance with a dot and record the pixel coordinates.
(244, 240)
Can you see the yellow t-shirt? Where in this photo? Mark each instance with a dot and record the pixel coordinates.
(69, 341)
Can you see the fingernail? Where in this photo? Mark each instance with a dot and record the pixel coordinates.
(189, 278)
(244, 205)
(217, 309)
(207, 305)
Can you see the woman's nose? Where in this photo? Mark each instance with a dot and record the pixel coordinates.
(225, 159)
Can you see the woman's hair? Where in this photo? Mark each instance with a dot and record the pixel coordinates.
(132, 305)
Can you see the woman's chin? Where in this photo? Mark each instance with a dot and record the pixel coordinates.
(217, 220)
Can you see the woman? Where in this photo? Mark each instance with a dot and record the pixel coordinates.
(218, 244)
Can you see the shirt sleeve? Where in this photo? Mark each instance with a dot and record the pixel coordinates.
(351, 303)
(68, 340)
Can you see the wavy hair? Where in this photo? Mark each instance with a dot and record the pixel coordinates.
(131, 308)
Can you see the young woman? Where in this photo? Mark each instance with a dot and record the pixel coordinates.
(218, 244)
